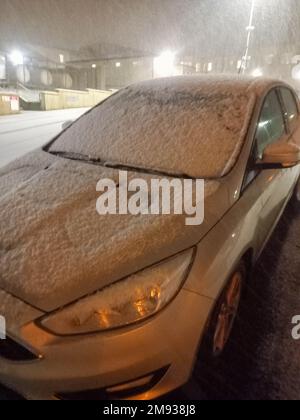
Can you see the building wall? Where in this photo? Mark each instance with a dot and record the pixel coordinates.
(110, 74)
(284, 65)
(124, 72)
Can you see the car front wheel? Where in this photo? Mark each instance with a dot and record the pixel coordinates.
(225, 314)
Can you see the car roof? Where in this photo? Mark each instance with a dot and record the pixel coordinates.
(227, 82)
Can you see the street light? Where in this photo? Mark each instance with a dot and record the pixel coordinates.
(257, 73)
(94, 71)
(17, 58)
(164, 64)
(296, 72)
(250, 28)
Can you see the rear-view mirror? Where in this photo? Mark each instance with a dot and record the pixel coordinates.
(280, 155)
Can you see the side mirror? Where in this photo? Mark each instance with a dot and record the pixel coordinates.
(66, 124)
(280, 155)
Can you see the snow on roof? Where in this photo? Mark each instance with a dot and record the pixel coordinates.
(193, 125)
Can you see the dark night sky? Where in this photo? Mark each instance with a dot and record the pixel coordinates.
(205, 26)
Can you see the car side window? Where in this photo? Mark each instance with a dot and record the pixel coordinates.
(271, 125)
(291, 108)
(270, 128)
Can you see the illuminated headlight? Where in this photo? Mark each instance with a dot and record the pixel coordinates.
(125, 302)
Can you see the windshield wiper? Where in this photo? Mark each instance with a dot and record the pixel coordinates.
(76, 156)
(85, 158)
(147, 170)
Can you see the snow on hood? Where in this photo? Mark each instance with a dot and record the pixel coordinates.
(192, 125)
(55, 247)
(17, 313)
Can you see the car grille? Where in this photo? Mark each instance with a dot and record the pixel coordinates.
(11, 350)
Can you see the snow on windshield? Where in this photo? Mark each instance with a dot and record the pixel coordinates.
(189, 125)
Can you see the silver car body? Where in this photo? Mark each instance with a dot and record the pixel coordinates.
(155, 356)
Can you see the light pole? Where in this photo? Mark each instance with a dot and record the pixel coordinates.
(18, 59)
(250, 28)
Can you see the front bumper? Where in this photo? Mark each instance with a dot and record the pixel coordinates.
(166, 343)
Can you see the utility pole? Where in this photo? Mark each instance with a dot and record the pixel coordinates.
(250, 28)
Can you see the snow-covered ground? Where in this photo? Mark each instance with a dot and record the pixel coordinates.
(24, 132)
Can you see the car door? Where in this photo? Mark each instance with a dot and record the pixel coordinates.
(274, 185)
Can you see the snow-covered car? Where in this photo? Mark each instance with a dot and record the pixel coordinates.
(118, 306)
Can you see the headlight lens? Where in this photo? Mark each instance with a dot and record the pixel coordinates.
(125, 302)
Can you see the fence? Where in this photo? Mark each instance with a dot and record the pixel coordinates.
(63, 99)
(9, 103)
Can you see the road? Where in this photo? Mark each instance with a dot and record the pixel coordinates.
(22, 133)
(262, 360)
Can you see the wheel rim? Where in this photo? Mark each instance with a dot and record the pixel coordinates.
(227, 313)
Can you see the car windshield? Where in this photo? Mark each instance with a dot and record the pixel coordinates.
(184, 126)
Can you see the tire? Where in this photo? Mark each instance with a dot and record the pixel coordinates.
(224, 315)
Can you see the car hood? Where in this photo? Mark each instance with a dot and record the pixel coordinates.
(55, 247)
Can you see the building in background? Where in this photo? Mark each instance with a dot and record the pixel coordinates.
(2, 67)
(35, 68)
(109, 44)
